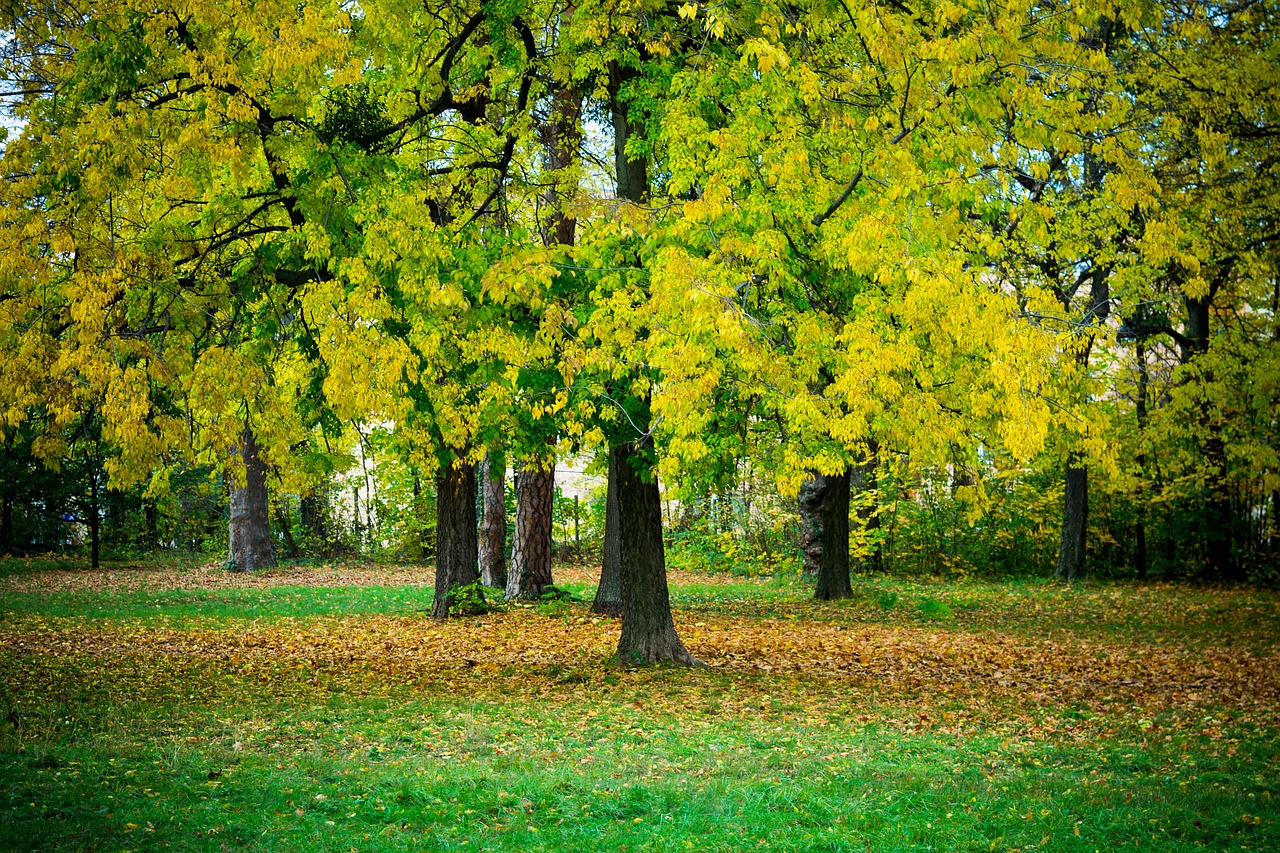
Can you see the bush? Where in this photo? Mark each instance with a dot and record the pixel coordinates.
(933, 611)
(468, 600)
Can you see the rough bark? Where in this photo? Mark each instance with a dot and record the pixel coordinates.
(456, 541)
(648, 632)
(812, 494)
(493, 526)
(561, 138)
(1075, 521)
(608, 600)
(833, 573)
(250, 531)
(530, 570)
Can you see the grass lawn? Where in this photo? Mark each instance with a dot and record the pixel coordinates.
(175, 706)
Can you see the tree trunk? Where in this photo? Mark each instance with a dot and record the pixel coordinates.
(1217, 517)
(456, 541)
(493, 527)
(250, 529)
(812, 494)
(6, 524)
(284, 520)
(1144, 382)
(1274, 541)
(833, 573)
(95, 520)
(315, 523)
(648, 632)
(151, 525)
(632, 175)
(530, 572)
(1075, 521)
(608, 600)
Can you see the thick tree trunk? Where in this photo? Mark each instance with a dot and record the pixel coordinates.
(456, 540)
(632, 175)
(648, 632)
(1075, 521)
(530, 570)
(493, 527)
(250, 528)
(833, 574)
(813, 492)
(608, 600)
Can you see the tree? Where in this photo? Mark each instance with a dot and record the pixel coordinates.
(167, 260)
(251, 548)
(530, 574)
(493, 525)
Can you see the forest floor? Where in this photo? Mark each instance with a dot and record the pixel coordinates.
(171, 705)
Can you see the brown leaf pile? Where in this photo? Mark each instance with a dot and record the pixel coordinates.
(211, 576)
(214, 576)
(919, 676)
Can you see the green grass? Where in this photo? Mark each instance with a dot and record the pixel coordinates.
(455, 774)
(191, 606)
(202, 753)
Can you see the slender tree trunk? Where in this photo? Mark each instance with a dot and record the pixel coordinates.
(530, 572)
(833, 574)
(608, 600)
(355, 512)
(813, 493)
(648, 632)
(284, 519)
(1274, 542)
(6, 524)
(1144, 380)
(151, 524)
(456, 541)
(1219, 518)
(250, 529)
(493, 527)
(311, 509)
(1217, 515)
(95, 520)
(1075, 521)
